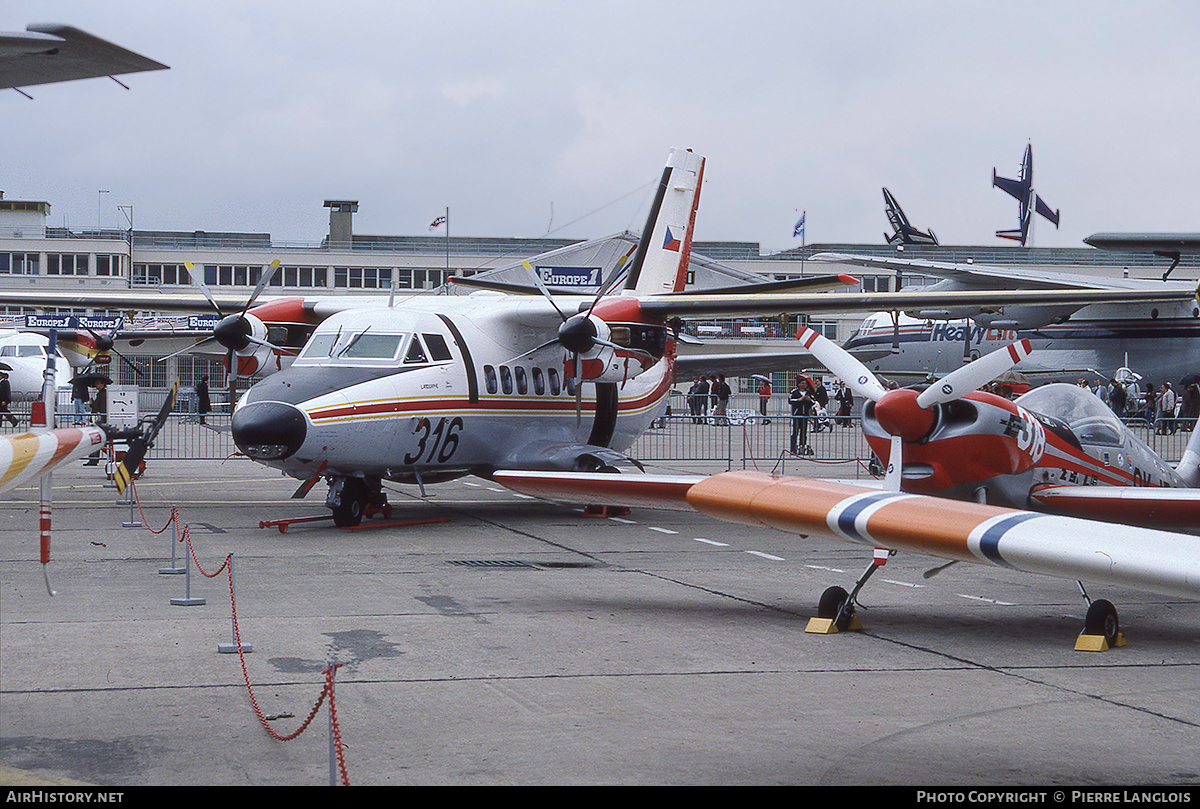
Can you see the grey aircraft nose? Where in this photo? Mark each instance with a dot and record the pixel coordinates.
(269, 431)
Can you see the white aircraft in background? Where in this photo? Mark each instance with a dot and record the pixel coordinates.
(1156, 337)
(23, 357)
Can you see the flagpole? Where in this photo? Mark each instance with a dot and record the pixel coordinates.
(447, 241)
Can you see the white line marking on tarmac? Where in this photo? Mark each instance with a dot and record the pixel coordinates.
(661, 530)
(830, 569)
(903, 583)
(987, 600)
(627, 522)
(767, 556)
(712, 542)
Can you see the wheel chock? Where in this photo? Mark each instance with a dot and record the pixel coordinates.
(1097, 643)
(826, 626)
(605, 511)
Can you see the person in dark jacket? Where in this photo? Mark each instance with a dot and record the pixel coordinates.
(203, 401)
(6, 399)
(801, 400)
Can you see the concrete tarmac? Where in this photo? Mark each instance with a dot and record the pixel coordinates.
(521, 643)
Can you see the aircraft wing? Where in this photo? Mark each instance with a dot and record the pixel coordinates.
(986, 301)
(1166, 244)
(46, 53)
(1052, 545)
(691, 365)
(28, 456)
(978, 276)
(1014, 188)
(1168, 508)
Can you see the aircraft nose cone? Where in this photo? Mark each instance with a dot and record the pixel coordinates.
(269, 431)
(899, 414)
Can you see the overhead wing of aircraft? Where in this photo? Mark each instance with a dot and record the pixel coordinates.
(904, 232)
(46, 53)
(1061, 547)
(1168, 245)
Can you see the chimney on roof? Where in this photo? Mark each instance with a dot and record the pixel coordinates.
(341, 226)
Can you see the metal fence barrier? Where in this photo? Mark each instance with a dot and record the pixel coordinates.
(745, 439)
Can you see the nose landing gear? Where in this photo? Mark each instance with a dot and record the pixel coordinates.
(351, 499)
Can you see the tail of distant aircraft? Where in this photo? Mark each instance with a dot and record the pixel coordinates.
(661, 261)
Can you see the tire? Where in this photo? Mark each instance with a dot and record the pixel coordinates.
(831, 603)
(349, 510)
(1102, 620)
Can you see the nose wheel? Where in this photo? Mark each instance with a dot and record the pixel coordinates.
(351, 499)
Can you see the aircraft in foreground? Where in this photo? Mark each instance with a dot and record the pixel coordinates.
(1062, 547)
(905, 233)
(1029, 202)
(1057, 448)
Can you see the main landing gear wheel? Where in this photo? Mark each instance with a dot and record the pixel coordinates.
(1102, 620)
(350, 505)
(835, 604)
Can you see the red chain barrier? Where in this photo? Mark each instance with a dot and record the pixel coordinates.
(327, 690)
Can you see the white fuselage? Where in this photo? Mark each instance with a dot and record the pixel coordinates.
(439, 387)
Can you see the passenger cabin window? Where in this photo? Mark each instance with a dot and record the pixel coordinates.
(489, 378)
(506, 379)
(522, 380)
(539, 382)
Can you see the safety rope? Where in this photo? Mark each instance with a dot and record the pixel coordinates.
(185, 535)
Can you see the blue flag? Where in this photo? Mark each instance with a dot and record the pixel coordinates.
(799, 229)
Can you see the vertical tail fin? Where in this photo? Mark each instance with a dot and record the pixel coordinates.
(661, 262)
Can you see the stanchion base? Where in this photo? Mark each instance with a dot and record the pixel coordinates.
(188, 602)
(232, 648)
(172, 570)
(131, 525)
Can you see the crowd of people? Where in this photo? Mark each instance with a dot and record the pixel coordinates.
(813, 406)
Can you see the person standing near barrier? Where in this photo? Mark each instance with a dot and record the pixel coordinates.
(701, 394)
(845, 401)
(100, 410)
(79, 398)
(721, 394)
(6, 399)
(801, 401)
(821, 398)
(1165, 422)
(203, 401)
(764, 397)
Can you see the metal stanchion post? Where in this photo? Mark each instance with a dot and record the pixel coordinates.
(188, 601)
(232, 648)
(174, 568)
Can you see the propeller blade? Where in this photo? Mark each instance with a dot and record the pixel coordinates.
(189, 348)
(537, 279)
(198, 280)
(841, 363)
(891, 481)
(578, 390)
(138, 447)
(974, 375)
(262, 284)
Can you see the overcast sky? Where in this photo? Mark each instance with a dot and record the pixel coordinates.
(525, 117)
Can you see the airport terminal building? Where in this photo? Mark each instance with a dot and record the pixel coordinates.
(36, 256)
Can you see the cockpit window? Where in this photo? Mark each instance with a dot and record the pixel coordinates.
(438, 349)
(319, 345)
(1080, 409)
(368, 346)
(415, 353)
